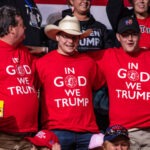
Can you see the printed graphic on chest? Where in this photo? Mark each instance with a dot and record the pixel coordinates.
(135, 83)
(132, 73)
(20, 78)
(70, 80)
(70, 85)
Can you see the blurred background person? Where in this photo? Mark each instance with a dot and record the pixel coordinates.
(99, 38)
(116, 10)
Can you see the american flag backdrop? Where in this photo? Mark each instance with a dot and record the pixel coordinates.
(50, 7)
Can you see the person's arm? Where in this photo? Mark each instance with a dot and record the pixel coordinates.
(109, 39)
(38, 49)
(115, 10)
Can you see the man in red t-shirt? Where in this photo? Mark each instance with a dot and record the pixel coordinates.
(127, 72)
(18, 96)
(67, 79)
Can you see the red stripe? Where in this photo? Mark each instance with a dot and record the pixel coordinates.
(64, 2)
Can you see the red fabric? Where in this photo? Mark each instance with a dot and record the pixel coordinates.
(67, 91)
(145, 32)
(128, 80)
(64, 2)
(94, 2)
(43, 138)
(126, 3)
(17, 90)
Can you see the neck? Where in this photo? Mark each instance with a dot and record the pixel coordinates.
(141, 15)
(65, 54)
(134, 52)
(81, 17)
(8, 41)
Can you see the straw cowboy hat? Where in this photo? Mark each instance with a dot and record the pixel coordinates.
(69, 25)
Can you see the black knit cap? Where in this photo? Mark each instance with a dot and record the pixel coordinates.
(128, 23)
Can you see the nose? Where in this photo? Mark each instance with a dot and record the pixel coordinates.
(119, 147)
(71, 40)
(130, 37)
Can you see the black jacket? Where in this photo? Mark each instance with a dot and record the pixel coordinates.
(116, 10)
(34, 34)
(98, 39)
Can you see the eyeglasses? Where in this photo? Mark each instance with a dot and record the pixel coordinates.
(127, 34)
(67, 37)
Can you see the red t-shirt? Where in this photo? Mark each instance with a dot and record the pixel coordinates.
(145, 32)
(128, 79)
(67, 84)
(17, 90)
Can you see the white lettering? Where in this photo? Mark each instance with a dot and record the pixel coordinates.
(144, 77)
(59, 83)
(82, 81)
(23, 80)
(21, 90)
(73, 92)
(27, 69)
(10, 70)
(122, 74)
(64, 102)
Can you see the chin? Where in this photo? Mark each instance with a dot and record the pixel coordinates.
(130, 51)
(141, 11)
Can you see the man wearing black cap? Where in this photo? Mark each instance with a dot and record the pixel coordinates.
(127, 72)
(128, 34)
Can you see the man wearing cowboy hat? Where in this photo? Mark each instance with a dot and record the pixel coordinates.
(68, 78)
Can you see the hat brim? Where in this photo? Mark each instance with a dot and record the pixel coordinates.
(37, 142)
(113, 137)
(52, 30)
(129, 28)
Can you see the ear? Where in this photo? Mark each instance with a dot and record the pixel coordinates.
(11, 29)
(71, 2)
(118, 36)
(57, 37)
(103, 147)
